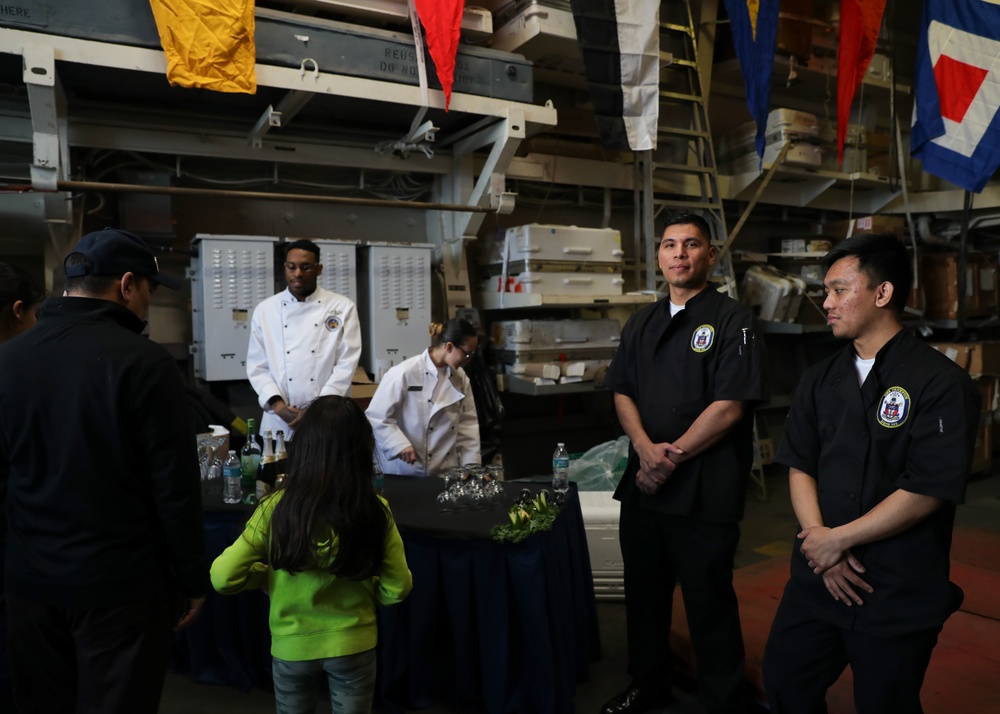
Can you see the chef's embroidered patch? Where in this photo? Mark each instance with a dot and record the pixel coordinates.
(332, 323)
(703, 338)
(894, 407)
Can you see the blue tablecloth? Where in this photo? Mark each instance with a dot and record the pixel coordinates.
(500, 627)
(230, 642)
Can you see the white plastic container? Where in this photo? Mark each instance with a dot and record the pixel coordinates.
(547, 242)
(552, 283)
(766, 293)
(555, 335)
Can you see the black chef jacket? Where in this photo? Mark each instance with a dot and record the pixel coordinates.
(911, 426)
(673, 368)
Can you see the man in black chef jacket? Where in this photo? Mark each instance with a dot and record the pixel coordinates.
(685, 376)
(878, 442)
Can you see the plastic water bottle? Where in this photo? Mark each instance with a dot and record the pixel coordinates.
(232, 473)
(560, 469)
(213, 481)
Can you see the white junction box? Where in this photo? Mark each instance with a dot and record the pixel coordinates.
(544, 242)
(520, 336)
(340, 266)
(230, 276)
(600, 521)
(395, 303)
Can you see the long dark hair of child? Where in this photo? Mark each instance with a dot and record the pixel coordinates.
(329, 487)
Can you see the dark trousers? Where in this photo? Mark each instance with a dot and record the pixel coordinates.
(6, 694)
(660, 551)
(805, 656)
(100, 661)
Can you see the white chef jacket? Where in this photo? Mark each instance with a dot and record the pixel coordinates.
(444, 432)
(302, 350)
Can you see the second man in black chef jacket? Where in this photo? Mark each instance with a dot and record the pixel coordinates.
(686, 376)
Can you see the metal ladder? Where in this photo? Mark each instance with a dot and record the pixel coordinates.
(681, 174)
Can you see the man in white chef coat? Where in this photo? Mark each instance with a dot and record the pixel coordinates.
(305, 343)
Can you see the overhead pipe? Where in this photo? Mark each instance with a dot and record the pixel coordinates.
(264, 196)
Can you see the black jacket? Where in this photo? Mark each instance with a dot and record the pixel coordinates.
(673, 368)
(911, 426)
(103, 494)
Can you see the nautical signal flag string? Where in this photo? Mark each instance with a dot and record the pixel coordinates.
(442, 21)
(754, 25)
(956, 129)
(860, 21)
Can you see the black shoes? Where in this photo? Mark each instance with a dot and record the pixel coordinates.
(637, 699)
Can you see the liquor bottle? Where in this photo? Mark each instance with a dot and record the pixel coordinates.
(231, 477)
(560, 469)
(280, 461)
(267, 462)
(249, 465)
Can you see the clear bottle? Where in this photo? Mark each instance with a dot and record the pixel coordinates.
(249, 465)
(213, 480)
(232, 474)
(560, 469)
(280, 461)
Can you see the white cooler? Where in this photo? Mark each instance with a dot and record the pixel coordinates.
(600, 521)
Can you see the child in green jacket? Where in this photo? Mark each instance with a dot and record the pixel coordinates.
(334, 552)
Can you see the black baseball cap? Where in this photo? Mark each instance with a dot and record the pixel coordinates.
(113, 251)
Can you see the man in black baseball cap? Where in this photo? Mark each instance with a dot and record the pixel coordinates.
(105, 554)
(114, 252)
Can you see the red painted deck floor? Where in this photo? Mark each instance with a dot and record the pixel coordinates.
(964, 673)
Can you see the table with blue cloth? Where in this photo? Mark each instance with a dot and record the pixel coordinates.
(230, 642)
(499, 627)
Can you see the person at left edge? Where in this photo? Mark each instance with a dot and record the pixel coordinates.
(305, 342)
(105, 554)
(20, 299)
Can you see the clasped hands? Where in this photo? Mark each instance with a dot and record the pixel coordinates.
(656, 466)
(831, 558)
(289, 414)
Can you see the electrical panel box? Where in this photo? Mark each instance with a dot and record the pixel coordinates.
(230, 276)
(395, 304)
(340, 267)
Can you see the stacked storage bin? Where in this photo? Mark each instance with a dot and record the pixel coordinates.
(738, 155)
(556, 260)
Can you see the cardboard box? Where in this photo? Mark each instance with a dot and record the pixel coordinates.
(361, 386)
(982, 455)
(939, 277)
(989, 285)
(865, 225)
(959, 353)
(977, 358)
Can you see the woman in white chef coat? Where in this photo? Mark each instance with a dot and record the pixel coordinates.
(423, 412)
